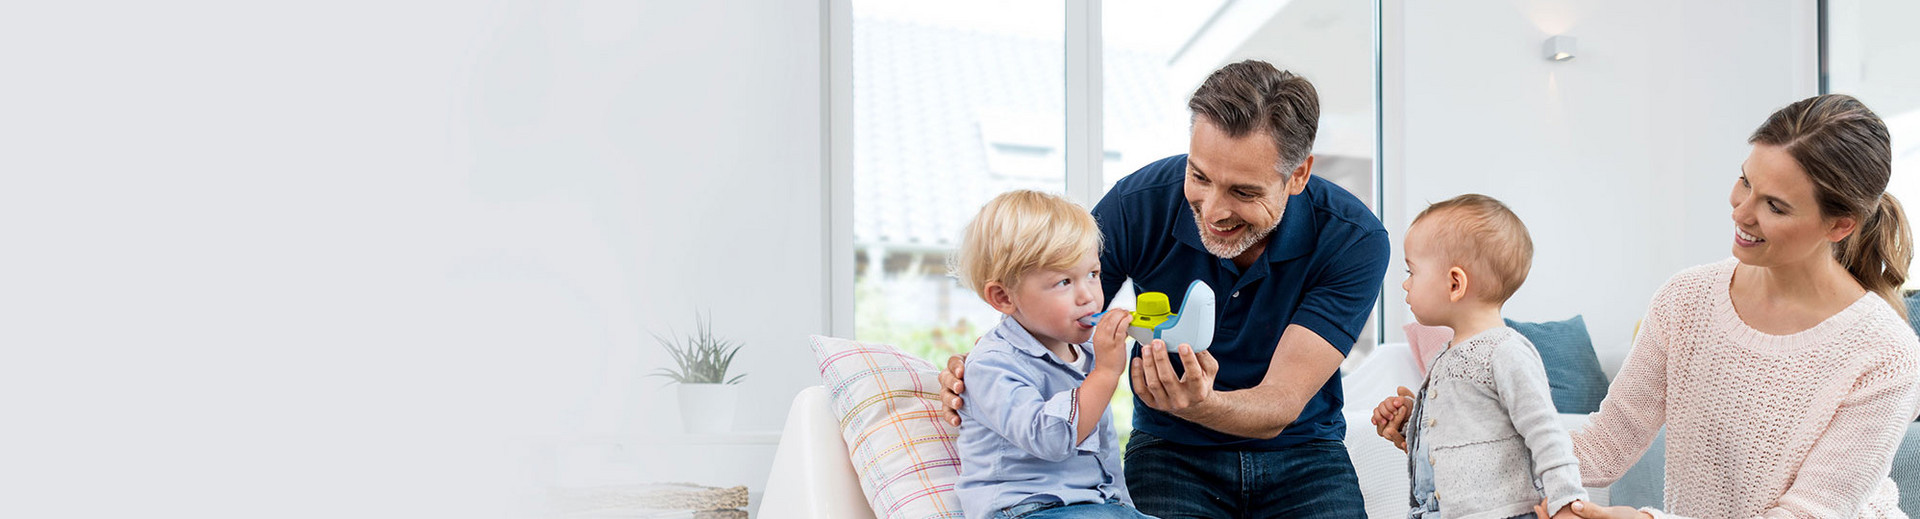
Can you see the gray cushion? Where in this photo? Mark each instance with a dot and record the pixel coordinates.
(1573, 370)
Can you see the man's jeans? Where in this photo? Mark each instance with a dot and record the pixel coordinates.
(1311, 480)
(1112, 509)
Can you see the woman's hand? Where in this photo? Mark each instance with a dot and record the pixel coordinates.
(1587, 510)
(951, 385)
(1566, 512)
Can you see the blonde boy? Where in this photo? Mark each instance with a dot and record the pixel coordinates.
(1483, 439)
(1036, 440)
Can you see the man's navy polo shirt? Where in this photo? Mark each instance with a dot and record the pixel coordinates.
(1321, 269)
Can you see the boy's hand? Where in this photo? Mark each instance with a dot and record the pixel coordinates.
(1391, 414)
(951, 385)
(1110, 341)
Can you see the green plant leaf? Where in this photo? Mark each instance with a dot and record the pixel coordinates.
(702, 358)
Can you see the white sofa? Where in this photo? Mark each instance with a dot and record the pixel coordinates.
(812, 474)
(813, 478)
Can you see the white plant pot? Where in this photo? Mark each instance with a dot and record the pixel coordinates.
(708, 408)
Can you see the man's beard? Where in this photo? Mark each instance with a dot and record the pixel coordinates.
(1248, 237)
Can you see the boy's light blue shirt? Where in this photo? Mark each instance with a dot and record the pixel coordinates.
(1018, 429)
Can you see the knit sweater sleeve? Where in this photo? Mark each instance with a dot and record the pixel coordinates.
(1520, 380)
(1851, 458)
(1856, 451)
(1636, 403)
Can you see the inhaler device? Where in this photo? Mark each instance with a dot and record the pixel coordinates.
(1154, 319)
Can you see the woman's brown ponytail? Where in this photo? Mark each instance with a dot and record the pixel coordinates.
(1848, 153)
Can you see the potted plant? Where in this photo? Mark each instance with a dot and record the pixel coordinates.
(707, 396)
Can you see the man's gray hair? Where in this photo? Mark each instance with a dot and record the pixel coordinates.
(1251, 96)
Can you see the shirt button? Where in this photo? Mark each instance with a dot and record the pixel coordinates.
(1430, 422)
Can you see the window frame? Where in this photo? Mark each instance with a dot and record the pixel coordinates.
(1085, 150)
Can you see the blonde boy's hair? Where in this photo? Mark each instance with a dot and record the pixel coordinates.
(1482, 235)
(1020, 232)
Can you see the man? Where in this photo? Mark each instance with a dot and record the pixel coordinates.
(1252, 426)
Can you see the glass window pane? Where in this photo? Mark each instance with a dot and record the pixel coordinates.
(954, 102)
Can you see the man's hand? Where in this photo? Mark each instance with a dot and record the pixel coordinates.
(1157, 386)
(951, 385)
(1110, 341)
(1390, 414)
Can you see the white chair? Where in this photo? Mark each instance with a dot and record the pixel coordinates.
(812, 473)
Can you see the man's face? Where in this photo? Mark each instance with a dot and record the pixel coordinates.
(1235, 191)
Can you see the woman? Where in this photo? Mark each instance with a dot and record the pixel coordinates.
(1786, 376)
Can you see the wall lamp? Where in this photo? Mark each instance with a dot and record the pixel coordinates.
(1559, 48)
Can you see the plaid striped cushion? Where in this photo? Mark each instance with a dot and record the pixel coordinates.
(888, 403)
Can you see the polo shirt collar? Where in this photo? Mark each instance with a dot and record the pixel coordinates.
(1017, 336)
(1293, 239)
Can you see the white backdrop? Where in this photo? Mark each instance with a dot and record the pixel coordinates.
(337, 260)
(1619, 161)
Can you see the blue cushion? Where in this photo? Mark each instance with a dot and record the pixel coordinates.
(1906, 471)
(1573, 370)
(1913, 311)
(1913, 319)
(1645, 484)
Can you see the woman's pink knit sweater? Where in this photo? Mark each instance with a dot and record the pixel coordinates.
(1759, 425)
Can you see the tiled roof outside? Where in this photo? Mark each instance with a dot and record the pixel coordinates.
(920, 95)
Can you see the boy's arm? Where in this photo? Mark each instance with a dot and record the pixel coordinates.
(1095, 394)
(1109, 360)
(1005, 401)
(1520, 384)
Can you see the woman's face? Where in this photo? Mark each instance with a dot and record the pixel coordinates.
(1776, 217)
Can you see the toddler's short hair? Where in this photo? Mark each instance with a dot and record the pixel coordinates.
(1480, 233)
(1022, 231)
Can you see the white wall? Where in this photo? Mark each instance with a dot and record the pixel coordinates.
(348, 259)
(1620, 160)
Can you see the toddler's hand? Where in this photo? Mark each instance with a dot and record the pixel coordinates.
(1110, 341)
(1391, 414)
